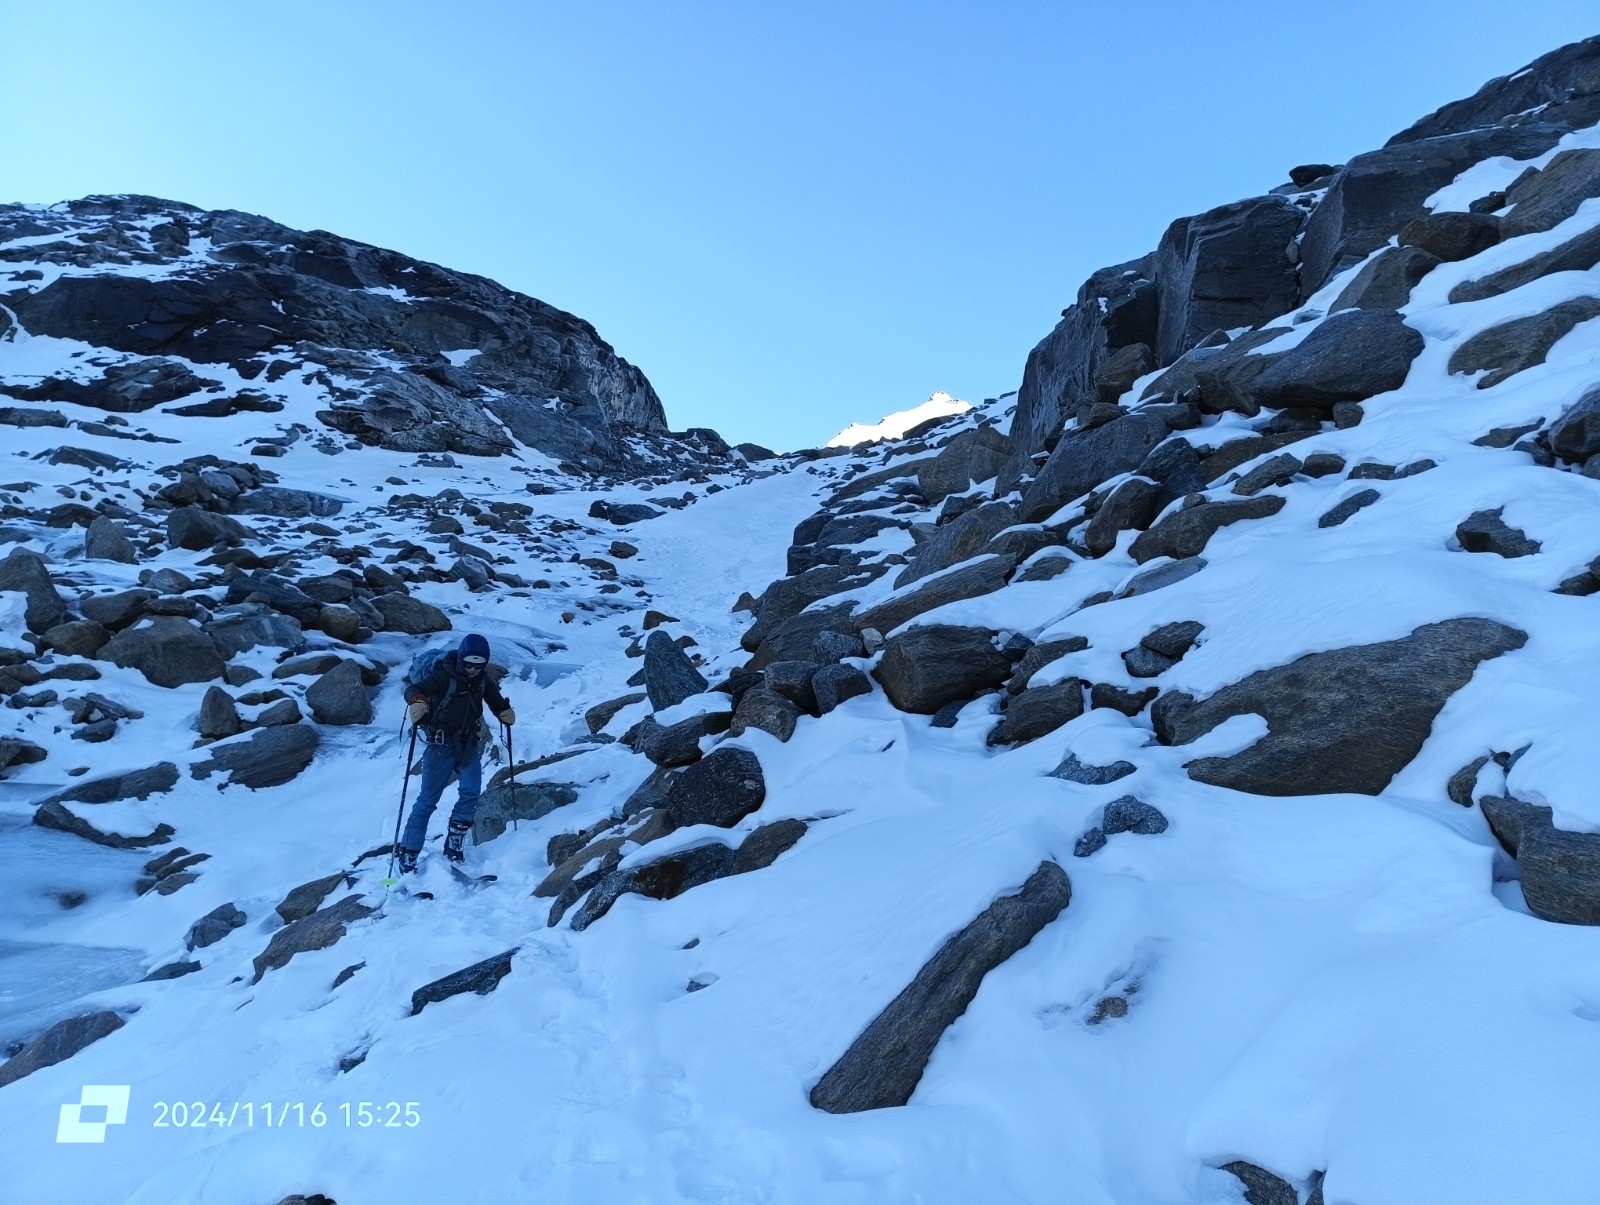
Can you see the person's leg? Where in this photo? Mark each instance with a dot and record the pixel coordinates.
(469, 774)
(437, 763)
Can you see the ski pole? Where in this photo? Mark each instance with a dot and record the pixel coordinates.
(405, 786)
(511, 756)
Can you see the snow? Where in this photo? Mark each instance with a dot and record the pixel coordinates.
(1320, 982)
(895, 425)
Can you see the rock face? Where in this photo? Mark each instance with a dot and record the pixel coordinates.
(884, 1065)
(1560, 869)
(1226, 268)
(235, 289)
(1346, 720)
(1352, 356)
(1503, 351)
(58, 1043)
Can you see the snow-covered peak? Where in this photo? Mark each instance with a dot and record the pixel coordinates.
(894, 426)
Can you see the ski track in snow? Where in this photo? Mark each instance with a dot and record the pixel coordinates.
(1333, 981)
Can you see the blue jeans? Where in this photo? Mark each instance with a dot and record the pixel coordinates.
(465, 760)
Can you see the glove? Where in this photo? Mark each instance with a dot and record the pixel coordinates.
(416, 711)
(508, 717)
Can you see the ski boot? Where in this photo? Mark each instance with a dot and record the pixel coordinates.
(406, 860)
(454, 840)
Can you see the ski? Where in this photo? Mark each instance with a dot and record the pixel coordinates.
(475, 880)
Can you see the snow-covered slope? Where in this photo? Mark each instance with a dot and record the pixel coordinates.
(1144, 804)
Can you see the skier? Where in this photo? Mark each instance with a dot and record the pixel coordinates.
(446, 706)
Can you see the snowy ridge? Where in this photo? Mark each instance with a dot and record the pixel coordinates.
(898, 424)
(974, 657)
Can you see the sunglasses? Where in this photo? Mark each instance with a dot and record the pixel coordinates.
(474, 662)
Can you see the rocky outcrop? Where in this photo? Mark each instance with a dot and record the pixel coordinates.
(371, 326)
(317, 931)
(883, 1066)
(268, 757)
(1560, 869)
(480, 978)
(59, 1043)
(1345, 720)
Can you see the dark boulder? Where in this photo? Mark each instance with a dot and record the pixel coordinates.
(669, 676)
(1546, 199)
(767, 711)
(502, 804)
(1575, 436)
(197, 530)
(1578, 254)
(1037, 711)
(117, 610)
(983, 576)
(219, 717)
(721, 789)
(1351, 356)
(307, 898)
(1386, 281)
(601, 714)
(57, 816)
(678, 744)
(1261, 1187)
(1346, 507)
(1085, 459)
(1073, 770)
(315, 932)
(340, 696)
(480, 978)
(214, 926)
(1345, 720)
(959, 540)
(168, 651)
(662, 879)
(1560, 869)
(789, 596)
(1185, 533)
(797, 638)
(1452, 235)
(1504, 350)
(883, 1066)
(834, 684)
(1131, 815)
(1486, 531)
(59, 1043)
(928, 667)
(241, 628)
(268, 757)
(412, 616)
(973, 456)
(1131, 506)
(106, 540)
(132, 784)
(24, 571)
(1121, 369)
(1556, 88)
(77, 638)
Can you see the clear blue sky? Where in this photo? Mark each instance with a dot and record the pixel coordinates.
(789, 215)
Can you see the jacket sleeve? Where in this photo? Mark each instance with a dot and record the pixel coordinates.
(493, 697)
(431, 689)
